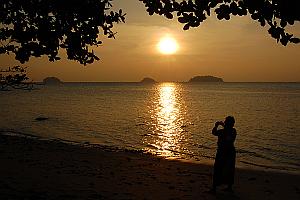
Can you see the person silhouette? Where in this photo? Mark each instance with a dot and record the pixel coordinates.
(224, 165)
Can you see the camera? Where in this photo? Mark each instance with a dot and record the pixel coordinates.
(219, 123)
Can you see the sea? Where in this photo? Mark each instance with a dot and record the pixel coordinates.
(171, 120)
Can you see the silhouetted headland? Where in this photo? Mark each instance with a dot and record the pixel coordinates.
(52, 81)
(148, 80)
(200, 79)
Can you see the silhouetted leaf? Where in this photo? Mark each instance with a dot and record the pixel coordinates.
(169, 15)
(295, 40)
(283, 23)
(186, 27)
(182, 19)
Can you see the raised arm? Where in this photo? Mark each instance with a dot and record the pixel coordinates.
(215, 129)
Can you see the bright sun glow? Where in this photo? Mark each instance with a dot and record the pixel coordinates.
(167, 45)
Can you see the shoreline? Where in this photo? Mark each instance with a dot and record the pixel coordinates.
(204, 160)
(48, 169)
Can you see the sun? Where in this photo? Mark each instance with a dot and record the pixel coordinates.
(167, 45)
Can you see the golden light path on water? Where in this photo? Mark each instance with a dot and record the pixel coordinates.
(167, 116)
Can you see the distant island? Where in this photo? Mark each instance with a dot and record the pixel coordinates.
(52, 81)
(200, 79)
(148, 81)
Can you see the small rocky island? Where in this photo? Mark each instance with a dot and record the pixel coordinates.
(201, 79)
(148, 80)
(52, 81)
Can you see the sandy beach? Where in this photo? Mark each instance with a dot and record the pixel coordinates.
(44, 169)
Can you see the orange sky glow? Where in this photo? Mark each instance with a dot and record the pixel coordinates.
(238, 50)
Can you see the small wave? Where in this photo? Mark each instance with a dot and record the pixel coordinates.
(254, 154)
(84, 144)
(292, 163)
(11, 132)
(201, 146)
(209, 157)
(17, 133)
(243, 151)
(180, 152)
(270, 166)
(140, 124)
(152, 146)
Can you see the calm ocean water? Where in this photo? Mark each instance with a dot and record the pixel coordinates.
(168, 119)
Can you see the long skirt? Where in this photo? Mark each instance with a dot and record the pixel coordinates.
(224, 167)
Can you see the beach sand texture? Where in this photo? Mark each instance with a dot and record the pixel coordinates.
(44, 169)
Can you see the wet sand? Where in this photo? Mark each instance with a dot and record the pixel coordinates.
(43, 169)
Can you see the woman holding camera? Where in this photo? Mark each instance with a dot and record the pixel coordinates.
(225, 158)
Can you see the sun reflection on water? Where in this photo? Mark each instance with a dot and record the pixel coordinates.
(167, 120)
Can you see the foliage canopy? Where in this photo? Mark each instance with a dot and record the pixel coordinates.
(14, 77)
(33, 28)
(276, 14)
(41, 27)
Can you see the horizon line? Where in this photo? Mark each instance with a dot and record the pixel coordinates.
(173, 82)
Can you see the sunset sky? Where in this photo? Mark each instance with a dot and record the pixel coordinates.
(236, 50)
